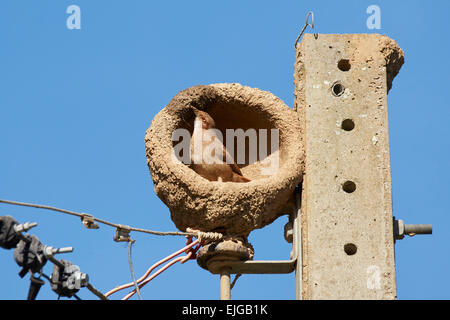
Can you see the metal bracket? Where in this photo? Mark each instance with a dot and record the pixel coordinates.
(254, 267)
(226, 267)
(292, 234)
(401, 229)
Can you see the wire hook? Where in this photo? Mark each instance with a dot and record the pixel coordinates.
(305, 26)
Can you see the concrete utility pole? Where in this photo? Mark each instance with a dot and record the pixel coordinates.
(341, 87)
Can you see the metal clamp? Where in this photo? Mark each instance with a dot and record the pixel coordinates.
(122, 234)
(76, 279)
(89, 221)
(289, 232)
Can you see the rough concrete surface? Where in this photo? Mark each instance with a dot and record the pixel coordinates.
(347, 223)
(232, 208)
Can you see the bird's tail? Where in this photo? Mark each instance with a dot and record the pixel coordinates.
(239, 178)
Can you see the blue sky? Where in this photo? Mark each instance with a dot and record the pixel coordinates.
(75, 105)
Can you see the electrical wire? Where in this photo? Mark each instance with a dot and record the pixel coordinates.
(190, 254)
(89, 286)
(154, 266)
(130, 263)
(92, 289)
(82, 215)
(236, 277)
(201, 237)
(128, 296)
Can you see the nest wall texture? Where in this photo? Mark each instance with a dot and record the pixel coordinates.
(229, 207)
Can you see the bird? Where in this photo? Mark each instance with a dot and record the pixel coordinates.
(218, 167)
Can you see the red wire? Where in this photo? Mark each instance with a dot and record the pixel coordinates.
(153, 276)
(187, 248)
(190, 255)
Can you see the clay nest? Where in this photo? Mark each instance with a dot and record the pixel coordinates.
(228, 207)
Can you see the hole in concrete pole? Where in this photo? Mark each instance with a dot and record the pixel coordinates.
(337, 89)
(350, 249)
(348, 125)
(344, 65)
(349, 186)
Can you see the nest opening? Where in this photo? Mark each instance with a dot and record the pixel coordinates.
(256, 142)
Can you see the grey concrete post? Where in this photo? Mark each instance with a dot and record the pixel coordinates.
(341, 86)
